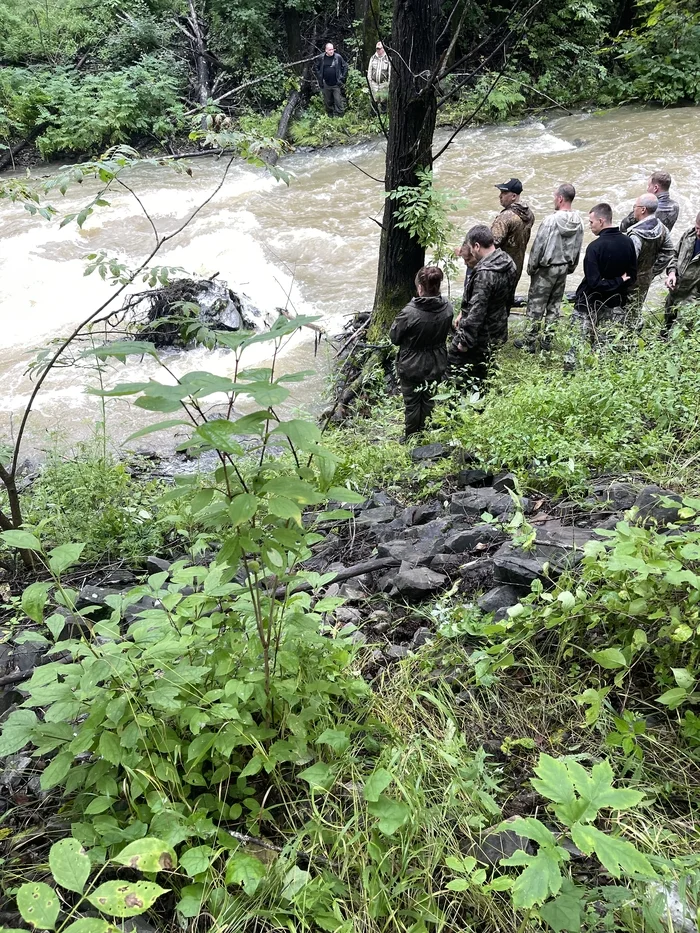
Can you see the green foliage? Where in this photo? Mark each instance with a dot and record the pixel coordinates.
(423, 211)
(96, 501)
(87, 112)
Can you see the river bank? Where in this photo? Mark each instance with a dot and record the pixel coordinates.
(469, 655)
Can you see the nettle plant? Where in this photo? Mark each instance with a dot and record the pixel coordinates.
(209, 688)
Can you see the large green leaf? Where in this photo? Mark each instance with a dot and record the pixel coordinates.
(69, 865)
(563, 913)
(376, 783)
(17, 731)
(34, 600)
(530, 828)
(553, 780)
(610, 658)
(110, 748)
(284, 508)
(90, 925)
(392, 814)
(318, 775)
(148, 855)
(23, 540)
(158, 426)
(291, 487)
(56, 771)
(196, 860)
(300, 433)
(540, 879)
(617, 855)
(265, 394)
(597, 788)
(120, 349)
(38, 904)
(245, 870)
(242, 508)
(64, 556)
(220, 435)
(125, 898)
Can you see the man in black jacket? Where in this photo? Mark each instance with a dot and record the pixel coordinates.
(331, 70)
(610, 270)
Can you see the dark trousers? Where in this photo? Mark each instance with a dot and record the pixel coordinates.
(468, 370)
(418, 406)
(333, 99)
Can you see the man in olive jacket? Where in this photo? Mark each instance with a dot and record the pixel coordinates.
(654, 248)
(512, 227)
(683, 279)
(482, 324)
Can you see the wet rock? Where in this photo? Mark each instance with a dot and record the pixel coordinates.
(617, 496)
(449, 564)
(29, 654)
(468, 538)
(430, 452)
(376, 516)
(501, 597)
(357, 588)
(96, 596)
(410, 552)
(505, 481)
(421, 637)
(417, 582)
(549, 558)
(14, 772)
(396, 652)
(475, 502)
(649, 507)
(493, 846)
(347, 615)
(378, 500)
(387, 532)
(157, 564)
(428, 512)
(474, 477)
(358, 638)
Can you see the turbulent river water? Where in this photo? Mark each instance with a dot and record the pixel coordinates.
(315, 242)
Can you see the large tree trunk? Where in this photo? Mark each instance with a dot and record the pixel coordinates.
(413, 108)
(201, 59)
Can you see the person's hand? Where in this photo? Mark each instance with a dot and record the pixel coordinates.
(671, 280)
(461, 347)
(625, 277)
(456, 322)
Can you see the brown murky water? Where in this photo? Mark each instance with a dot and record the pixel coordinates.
(315, 241)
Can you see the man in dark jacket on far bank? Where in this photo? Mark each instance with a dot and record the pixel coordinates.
(610, 270)
(482, 325)
(331, 70)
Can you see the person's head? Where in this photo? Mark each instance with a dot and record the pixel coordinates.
(428, 281)
(659, 182)
(330, 48)
(380, 49)
(510, 191)
(645, 206)
(697, 226)
(600, 217)
(564, 196)
(480, 243)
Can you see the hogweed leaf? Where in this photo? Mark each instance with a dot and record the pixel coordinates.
(617, 855)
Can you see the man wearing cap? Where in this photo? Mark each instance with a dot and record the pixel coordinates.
(512, 227)
(378, 76)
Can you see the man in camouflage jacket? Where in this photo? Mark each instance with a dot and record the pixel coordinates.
(654, 248)
(668, 209)
(683, 280)
(482, 324)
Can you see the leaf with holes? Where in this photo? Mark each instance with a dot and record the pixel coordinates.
(38, 904)
(245, 870)
(125, 898)
(149, 855)
(69, 864)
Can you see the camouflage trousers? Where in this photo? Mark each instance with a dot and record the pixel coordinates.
(544, 299)
(596, 324)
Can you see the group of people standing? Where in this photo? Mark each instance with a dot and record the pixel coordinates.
(331, 72)
(619, 267)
